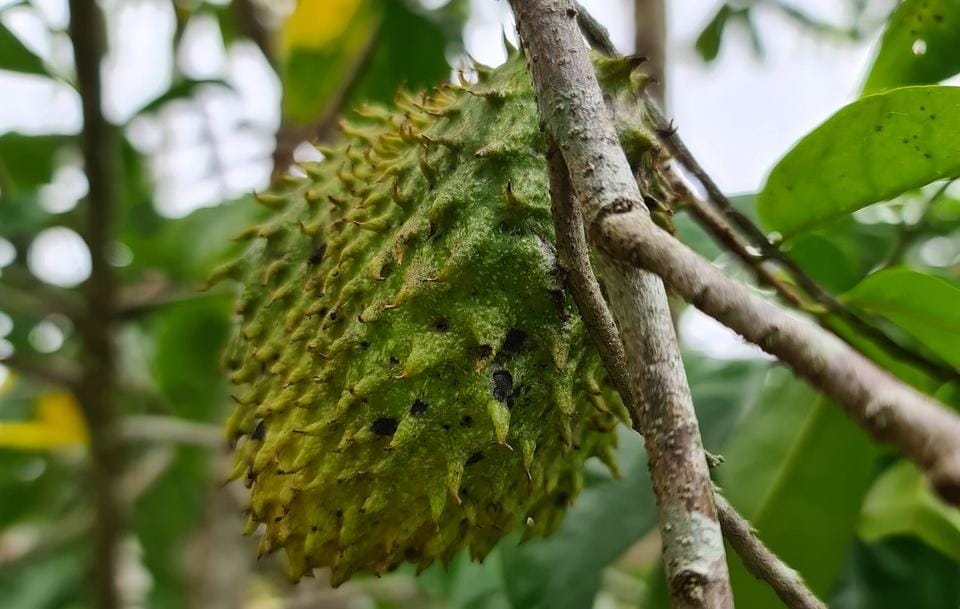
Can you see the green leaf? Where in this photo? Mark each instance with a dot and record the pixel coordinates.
(843, 252)
(189, 378)
(16, 57)
(919, 45)
(872, 150)
(926, 306)
(708, 42)
(896, 573)
(28, 161)
(798, 469)
(901, 502)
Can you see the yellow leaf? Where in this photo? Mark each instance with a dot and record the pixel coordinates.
(58, 423)
(314, 23)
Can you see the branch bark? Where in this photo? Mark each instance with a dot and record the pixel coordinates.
(574, 260)
(761, 562)
(96, 384)
(919, 427)
(573, 112)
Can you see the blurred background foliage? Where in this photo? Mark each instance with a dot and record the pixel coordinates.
(860, 524)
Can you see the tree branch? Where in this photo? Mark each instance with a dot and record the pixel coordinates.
(95, 390)
(248, 19)
(769, 251)
(579, 278)
(572, 108)
(761, 562)
(918, 426)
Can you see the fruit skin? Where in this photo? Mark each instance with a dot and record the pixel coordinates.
(410, 377)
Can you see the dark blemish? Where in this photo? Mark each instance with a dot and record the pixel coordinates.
(314, 528)
(260, 432)
(464, 493)
(905, 141)
(333, 316)
(336, 273)
(561, 499)
(317, 256)
(938, 18)
(418, 408)
(278, 519)
(364, 345)
(446, 427)
(394, 361)
(915, 136)
(926, 155)
(559, 303)
(923, 108)
(513, 342)
(477, 456)
(384, 426)
(484, 351)
(878, 128)
(441, 324)
(466, 421)
(339, 514)
(933, 117)
(502, 385)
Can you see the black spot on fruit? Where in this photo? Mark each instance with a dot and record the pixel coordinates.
(466, 421)
(317, 256)
(513, 342)
(418, 408)
(501, 385)
(384, 426)
(260, 432)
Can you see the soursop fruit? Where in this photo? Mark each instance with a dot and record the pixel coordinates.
(411, 378)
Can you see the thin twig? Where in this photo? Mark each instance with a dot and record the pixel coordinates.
(96, 387)
(292, 134)
(761, 562)
(572, 109)
(61, 372)
(246, 14)
(911, 232)
(174, 430)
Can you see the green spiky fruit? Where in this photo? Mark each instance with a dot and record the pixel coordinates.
(410, 377)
